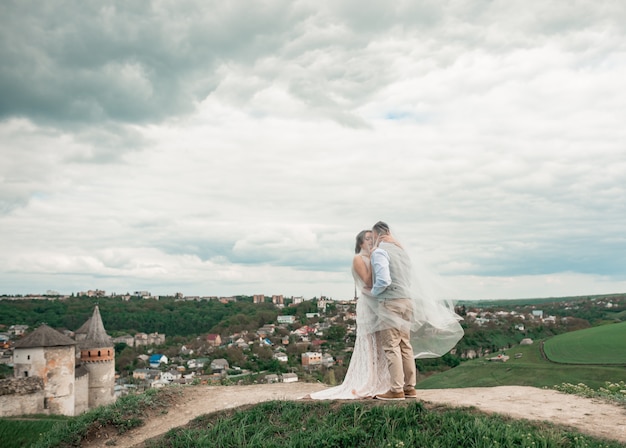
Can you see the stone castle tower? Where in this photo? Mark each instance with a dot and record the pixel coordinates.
(54, 374)
(97, 356)
(49, 355)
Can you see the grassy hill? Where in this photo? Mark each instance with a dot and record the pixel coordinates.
(532, 369)
(597, 345)
(335, 424)
(367, 424)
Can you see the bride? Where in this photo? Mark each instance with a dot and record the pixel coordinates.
(435, 328)
(367, 373)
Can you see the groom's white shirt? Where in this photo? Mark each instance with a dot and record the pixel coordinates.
(380, 266)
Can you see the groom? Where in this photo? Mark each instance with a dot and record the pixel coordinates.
(391, 272)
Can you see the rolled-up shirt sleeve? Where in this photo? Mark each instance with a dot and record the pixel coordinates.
(380, 266)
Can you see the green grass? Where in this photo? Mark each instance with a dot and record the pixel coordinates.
(57, 431)
(529, 370)
(18, 432)
(366, 424)
(596, 345)
(126, 413)
(611, 392)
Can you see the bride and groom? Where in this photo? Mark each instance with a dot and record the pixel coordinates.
(398, 317)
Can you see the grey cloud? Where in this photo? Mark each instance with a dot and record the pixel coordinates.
(380, 15)
(75, 64)
(127, 61)
(84, 64)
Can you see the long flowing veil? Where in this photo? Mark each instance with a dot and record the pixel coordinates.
(435, 327)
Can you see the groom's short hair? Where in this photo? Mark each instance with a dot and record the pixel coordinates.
(382, 228)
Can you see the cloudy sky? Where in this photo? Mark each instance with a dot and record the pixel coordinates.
(222, 148)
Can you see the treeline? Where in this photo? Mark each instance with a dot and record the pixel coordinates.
(164, 316)
(590, 308)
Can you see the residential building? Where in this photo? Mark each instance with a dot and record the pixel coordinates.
(171, 375)
(146, 374)
(290, 378)
(310, 359)
(286, 319)
(219, 365)
(157, 359)
(271, 378)
(144, 339)
(214, 340)
(125, 339)
(18, 330)
(281, 357)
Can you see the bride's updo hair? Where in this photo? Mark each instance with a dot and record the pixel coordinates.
(359, 240)
(381, 228)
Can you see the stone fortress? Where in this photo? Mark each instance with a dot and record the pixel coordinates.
(55, 374)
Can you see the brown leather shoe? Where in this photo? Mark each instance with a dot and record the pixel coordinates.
(410, 392)
(391, 396)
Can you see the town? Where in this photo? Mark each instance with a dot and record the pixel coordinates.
(299, 340)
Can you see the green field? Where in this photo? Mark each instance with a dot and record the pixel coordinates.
(531, 369)
(18, 432)
(597, 345)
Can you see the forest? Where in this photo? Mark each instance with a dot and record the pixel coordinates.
(165, 316)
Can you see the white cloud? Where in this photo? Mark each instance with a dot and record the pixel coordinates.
(225, 149)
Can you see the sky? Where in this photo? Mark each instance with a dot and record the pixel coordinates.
(234, 148)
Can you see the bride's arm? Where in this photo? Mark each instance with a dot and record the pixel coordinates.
(362, 269)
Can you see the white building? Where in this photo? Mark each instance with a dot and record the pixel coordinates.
(290, 378)
(286, 319)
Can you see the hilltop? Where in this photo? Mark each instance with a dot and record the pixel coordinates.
(588, 416)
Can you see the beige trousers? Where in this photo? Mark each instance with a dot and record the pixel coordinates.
(397, 347)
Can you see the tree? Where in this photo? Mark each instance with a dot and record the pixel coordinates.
(119, 347)
(235, 356)
(336, 333)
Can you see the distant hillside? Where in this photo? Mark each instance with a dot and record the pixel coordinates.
(536, 301)
(597, 345)
(527, 366)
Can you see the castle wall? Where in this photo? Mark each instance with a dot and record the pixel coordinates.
(101, 383)
(21, 396)
(81, 394)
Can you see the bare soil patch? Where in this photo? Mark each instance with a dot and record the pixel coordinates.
(589, 416)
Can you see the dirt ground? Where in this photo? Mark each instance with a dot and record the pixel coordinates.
(588, 416)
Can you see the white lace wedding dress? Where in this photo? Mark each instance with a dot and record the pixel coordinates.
(367, 373)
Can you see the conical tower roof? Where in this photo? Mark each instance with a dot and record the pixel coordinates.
(84, 328)
(96, 334)
(44, 336)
